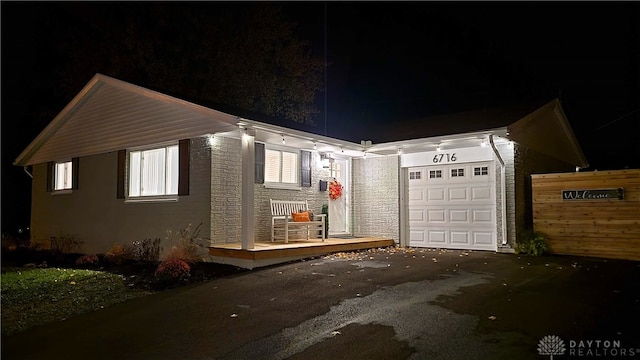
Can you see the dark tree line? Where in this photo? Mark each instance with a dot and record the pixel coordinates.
(244, 55)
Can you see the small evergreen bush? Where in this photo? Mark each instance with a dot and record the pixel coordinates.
(533, 243)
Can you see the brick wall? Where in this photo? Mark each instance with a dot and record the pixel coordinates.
(226, 190)
(507, 153)
(526, 163)
(312, 194)
(375, 194)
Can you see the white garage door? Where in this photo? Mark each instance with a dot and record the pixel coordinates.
(453, 206)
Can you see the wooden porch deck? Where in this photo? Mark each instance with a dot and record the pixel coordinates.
(270, 253)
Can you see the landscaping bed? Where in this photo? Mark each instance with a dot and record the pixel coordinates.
(41, 286)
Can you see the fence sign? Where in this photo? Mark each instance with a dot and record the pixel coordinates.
(593, 194)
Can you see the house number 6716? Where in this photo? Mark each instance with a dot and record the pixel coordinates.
(438, 158)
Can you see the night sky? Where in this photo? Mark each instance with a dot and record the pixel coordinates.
(388, 62)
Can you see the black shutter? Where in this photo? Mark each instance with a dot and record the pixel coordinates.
(305, 168)
(50, 166)
(75, 164)
(259, 163)
(183, 177)
(122, 161)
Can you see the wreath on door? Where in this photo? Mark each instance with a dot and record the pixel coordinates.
(335, 189)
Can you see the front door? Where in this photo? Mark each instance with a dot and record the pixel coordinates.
(338, 206)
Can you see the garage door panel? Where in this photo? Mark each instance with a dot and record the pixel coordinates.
(483, 238)
(417, 237)
(453, 206)
(459, 216)
(435, 194)
(417, 197)
(482, 216)
(460, 237)
(436, 216)
(480, 193)
(458, 194)
(417, 215)
(437, 237)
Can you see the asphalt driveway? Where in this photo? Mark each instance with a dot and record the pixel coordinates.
(384, 304)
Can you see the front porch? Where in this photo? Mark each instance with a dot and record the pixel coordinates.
(270, 253)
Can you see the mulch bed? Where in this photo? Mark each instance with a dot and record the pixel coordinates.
(136, 274)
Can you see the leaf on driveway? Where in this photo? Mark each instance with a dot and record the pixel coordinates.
(334, 333)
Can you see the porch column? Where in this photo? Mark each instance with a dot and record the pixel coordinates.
(248, 176)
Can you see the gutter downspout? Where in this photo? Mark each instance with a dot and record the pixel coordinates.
(27, 172)
(503, 190)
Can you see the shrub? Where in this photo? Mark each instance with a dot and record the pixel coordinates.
(117, 254)
(185, 248)
(173, 270)
(87, 260)
(12, 242)
(533, 243)
(147, 250)
(65, 244)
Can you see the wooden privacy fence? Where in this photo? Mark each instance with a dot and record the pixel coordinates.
(589, 213)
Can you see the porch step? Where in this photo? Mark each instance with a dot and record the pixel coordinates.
(270, 253)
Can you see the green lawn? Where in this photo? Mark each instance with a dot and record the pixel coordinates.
(32, 297)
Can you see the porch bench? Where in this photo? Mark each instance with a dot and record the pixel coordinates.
(282, 223)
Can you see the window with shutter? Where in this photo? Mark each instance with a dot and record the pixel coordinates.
(259, 163)
(62, 176)
(154, 172)
(281, 166)
(305, 168)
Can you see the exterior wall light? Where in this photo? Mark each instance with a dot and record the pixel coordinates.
(325, 160)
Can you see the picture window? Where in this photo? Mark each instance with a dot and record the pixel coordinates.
(154, 172)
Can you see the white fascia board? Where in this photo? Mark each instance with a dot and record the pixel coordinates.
(427, 144)
(273, 134)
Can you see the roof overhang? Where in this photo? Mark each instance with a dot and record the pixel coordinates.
(469, 139)
(109, 114)
(548, 131)
(278, 135)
